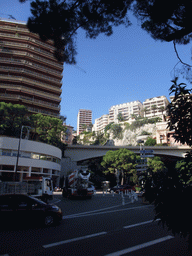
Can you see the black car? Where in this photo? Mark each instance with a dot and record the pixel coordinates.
(115, 188)
(23, 209)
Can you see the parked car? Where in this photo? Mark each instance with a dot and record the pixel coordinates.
(125, 188)
(22, 209)
(115, 188)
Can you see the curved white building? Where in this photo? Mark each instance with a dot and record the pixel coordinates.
(35, 159)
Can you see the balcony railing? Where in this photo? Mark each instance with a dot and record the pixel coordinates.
(32, 91)
(29, 81)
(22, 53)
(28, 46)
(21, 97)
(30, 64)
(27, 38)
(23, 70)
(36, 110)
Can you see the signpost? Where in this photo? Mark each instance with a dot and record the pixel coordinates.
(142, 164)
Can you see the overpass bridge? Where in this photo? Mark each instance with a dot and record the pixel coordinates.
(77, 153)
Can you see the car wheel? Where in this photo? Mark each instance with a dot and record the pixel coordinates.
(49, 220)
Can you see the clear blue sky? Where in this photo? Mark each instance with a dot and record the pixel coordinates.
(127, 66)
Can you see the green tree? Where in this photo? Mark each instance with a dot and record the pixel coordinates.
(184, 171)
(100, 139)
(150, 142)
(59, 20)
(120, 117)
(13, 116)
(171, 190)
(122, 160)
(153, 108)
(48, 129)
(155, 165)
(180, 113)
(117, 131)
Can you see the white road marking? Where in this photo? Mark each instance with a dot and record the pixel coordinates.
(85, 214)
(98, 210)
(55, 202)
(74, 239)
(140, 246)
(141, 223)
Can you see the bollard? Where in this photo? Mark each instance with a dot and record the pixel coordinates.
(123, 201)
(132, 199)
(103, 192)
(112, 192)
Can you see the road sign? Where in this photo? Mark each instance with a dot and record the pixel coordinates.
(143, 156)
(146, 152)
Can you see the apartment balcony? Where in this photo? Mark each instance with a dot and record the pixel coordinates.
(30, 100)
(30, 73)
(31, 82)
(28, 38)
(29, 48)
(31, 57)
(27, 90)
(41, 111)
(31, 65)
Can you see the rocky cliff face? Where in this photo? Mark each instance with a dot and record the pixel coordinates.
(131, 137)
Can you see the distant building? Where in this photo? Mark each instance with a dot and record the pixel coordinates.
(155, 107)
(84, 120)
(126, 110)
(165, 136)
(100, 123)
(68, 136)
(30, 75)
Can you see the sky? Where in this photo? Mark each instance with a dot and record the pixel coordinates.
(127, 66)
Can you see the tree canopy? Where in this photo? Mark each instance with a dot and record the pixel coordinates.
(59, 20)
(43, 128)
(123, 160)
(180, 113)
(13, 116)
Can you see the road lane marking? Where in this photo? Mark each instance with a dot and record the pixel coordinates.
(98, 210)
(141, 223)
(140, 246)
(55, 202)
(73, 240)
(85, 214)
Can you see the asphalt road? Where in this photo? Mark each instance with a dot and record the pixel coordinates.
(102, 226)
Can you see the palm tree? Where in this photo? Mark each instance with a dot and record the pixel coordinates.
(145, 111)
(162, 109)
(153, 108)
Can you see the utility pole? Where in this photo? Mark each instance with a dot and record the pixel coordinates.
(27, 137)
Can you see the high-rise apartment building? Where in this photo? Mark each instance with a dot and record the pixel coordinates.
(84, 120)
(29, 73)
(126, 110)
(155, 107)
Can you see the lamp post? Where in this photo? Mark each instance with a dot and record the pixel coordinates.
(27, 137)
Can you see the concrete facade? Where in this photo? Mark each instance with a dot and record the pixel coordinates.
(30, 75)
(35, 159)
(84, 119)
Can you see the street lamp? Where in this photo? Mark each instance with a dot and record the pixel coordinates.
(27, 137)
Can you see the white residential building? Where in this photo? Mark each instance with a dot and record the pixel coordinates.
(155, 107)
(100, 123)
(126, 109)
